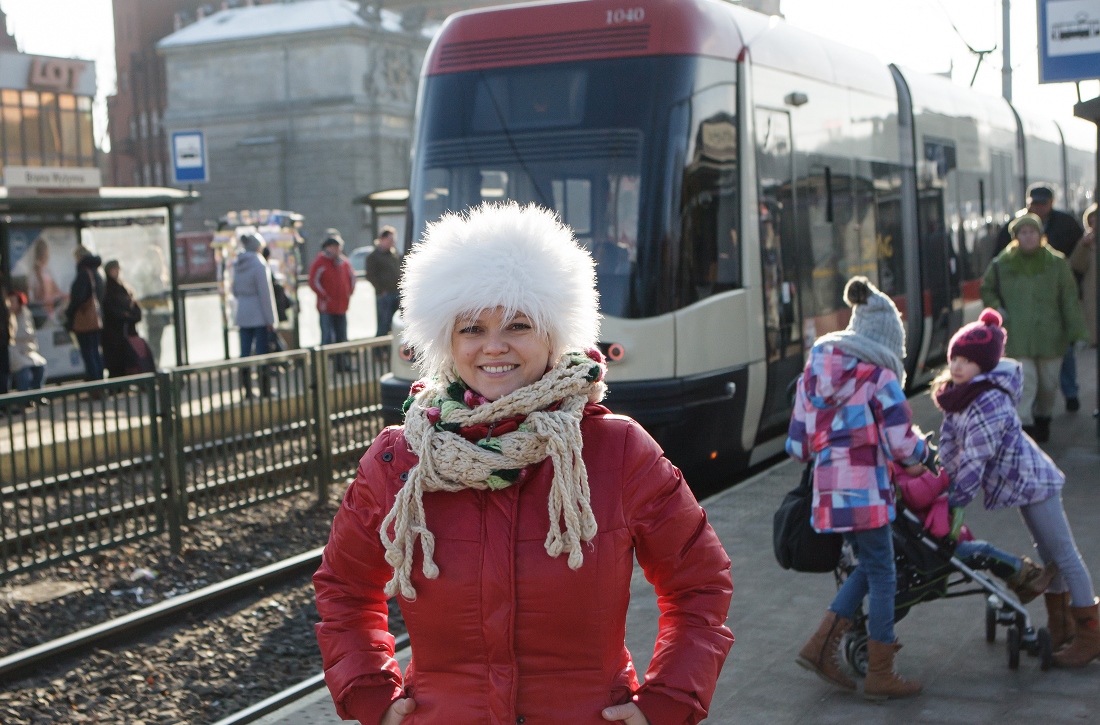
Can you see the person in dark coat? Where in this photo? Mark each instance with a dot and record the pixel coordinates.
(1062, 232)
(88, 282)
(5, 338)
(383, 272)
(120, 315)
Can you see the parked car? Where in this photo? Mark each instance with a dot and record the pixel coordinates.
(358, 258)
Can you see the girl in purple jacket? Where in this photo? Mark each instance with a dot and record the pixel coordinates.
(982, 446)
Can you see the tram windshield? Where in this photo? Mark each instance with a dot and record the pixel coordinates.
(583, 139)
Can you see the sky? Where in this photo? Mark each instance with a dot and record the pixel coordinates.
(915, 34)
(929, 44)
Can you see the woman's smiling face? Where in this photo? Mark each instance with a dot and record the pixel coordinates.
(497, 355)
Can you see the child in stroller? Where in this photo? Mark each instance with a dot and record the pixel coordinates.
(926, 497)
(936, 558)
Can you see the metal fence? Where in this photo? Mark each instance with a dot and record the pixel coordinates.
(92, 465)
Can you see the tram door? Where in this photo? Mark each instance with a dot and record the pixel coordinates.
(782, 323)
(939, 264)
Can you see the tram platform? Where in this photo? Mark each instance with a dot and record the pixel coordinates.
(966, 680)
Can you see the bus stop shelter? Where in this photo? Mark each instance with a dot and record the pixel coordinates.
(40, 230)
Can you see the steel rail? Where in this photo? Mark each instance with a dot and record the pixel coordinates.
(293, 693)
(147, 618)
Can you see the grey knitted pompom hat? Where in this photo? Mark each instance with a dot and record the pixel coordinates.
(874, 315)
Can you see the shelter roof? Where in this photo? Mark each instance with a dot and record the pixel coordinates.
(106, 198)
(264, 20)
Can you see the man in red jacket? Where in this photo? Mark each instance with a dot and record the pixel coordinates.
(332, 278)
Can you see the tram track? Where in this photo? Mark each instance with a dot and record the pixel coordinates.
(140, 622)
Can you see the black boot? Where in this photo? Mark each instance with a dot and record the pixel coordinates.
(246, 381)
(1042, 429)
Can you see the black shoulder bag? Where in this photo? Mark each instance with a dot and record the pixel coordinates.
(797, 545)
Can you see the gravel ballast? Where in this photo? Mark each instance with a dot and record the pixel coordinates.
(197, 671)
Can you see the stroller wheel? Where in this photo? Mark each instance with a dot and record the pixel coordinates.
(1013, 644)
(990, 623)
(1046, 649)
(855, 652)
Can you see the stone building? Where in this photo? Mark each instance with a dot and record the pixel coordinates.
(305, 106)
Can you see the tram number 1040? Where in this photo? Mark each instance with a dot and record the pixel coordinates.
(625, 15)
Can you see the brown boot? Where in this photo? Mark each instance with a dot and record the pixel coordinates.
(1032, 579)
(1059, 620)
(819, 655)
(1085, 646)
(882, 682)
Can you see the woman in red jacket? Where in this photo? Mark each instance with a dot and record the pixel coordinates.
(506, 513)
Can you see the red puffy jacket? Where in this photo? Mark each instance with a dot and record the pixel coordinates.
(506, 634)
(333, 280)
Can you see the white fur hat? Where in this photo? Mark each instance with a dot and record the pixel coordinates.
(498, 255)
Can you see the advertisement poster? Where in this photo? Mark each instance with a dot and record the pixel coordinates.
(43, 267)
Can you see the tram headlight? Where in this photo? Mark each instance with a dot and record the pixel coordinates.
(613, 351)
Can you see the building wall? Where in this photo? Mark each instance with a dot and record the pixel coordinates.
(304, 122)
(139, 149)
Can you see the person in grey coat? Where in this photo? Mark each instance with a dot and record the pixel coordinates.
(255, 295)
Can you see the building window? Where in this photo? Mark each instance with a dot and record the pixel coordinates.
(146, 176)
(46, 129)
(159, 168)
(13, 128)
(143, 124)
(32, 130)
(87, 138)
(51, 130)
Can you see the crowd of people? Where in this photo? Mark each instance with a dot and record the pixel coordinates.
(101, 316)
(101, 311)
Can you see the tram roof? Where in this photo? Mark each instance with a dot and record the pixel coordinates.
(107, 198)
(571, 30)
(558, 31)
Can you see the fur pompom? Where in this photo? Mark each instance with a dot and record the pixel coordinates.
(522, 259)
(857, 291)
(991, 317)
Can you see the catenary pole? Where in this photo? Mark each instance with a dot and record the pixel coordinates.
(1006, 56)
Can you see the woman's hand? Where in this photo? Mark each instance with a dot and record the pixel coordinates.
(628, 713)
(397, 711)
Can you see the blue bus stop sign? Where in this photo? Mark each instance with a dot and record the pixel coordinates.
(1069, 40)
(189, 157)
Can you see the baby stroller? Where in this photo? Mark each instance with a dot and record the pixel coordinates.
(927, 569)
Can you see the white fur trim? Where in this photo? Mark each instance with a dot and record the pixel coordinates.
(498, 255)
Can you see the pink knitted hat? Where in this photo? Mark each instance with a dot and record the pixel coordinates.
(981, 342)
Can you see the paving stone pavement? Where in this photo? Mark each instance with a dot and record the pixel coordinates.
(773, 612)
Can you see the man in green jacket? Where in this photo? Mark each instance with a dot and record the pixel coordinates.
(1033, 286)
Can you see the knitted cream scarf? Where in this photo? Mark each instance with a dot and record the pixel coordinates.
(449, 462)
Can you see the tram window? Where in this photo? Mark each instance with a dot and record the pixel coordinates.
(710, 253)
(437, 193)
(888, 235)
(530, 99)
(941, 154)
(573, 202)
(494, 185)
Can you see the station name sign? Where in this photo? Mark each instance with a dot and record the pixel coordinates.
(51, 178)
